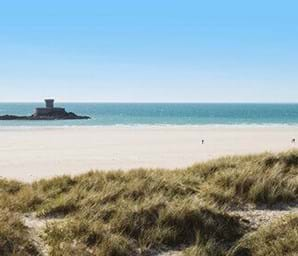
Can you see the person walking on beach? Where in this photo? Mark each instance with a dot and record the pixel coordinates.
(203, 141)
(293, 140)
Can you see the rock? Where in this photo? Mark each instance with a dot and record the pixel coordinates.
(49, 116)
(49, 112)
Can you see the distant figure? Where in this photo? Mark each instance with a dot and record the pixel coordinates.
(203, 141)
(293, 140)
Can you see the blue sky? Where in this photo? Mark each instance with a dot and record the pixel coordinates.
(149, 51)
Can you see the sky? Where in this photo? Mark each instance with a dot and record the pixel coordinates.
(149, 51)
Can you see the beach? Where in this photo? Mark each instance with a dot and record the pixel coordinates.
(29, 154)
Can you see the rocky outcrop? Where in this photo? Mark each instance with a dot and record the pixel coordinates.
(49, 116)
(49, 112)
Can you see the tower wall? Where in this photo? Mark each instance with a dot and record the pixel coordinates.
(49, 103)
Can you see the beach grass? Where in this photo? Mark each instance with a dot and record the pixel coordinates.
(143, 211)
(14, 236)
(279, 238)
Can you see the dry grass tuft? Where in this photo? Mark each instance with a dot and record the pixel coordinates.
(14, 237)
(279, 238)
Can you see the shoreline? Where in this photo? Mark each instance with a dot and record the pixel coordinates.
(42, 152)
(62, 127)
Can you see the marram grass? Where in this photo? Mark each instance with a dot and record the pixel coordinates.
(141, 211)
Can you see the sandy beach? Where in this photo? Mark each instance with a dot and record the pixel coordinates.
(32, 153)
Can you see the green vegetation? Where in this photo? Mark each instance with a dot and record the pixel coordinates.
(137, 212)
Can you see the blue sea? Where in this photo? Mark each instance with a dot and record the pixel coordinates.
(103, 114)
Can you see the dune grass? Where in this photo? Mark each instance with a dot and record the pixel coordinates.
(279, 238)
(135, 212)
(14, 237)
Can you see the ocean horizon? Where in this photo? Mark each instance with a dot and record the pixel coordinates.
(105, 114)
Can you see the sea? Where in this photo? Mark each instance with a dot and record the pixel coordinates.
(132, 114)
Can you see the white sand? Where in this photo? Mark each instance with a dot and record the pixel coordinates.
(29, 154)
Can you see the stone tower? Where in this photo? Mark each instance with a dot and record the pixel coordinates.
(49, 103)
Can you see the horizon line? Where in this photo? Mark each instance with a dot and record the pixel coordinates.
(157, 102)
